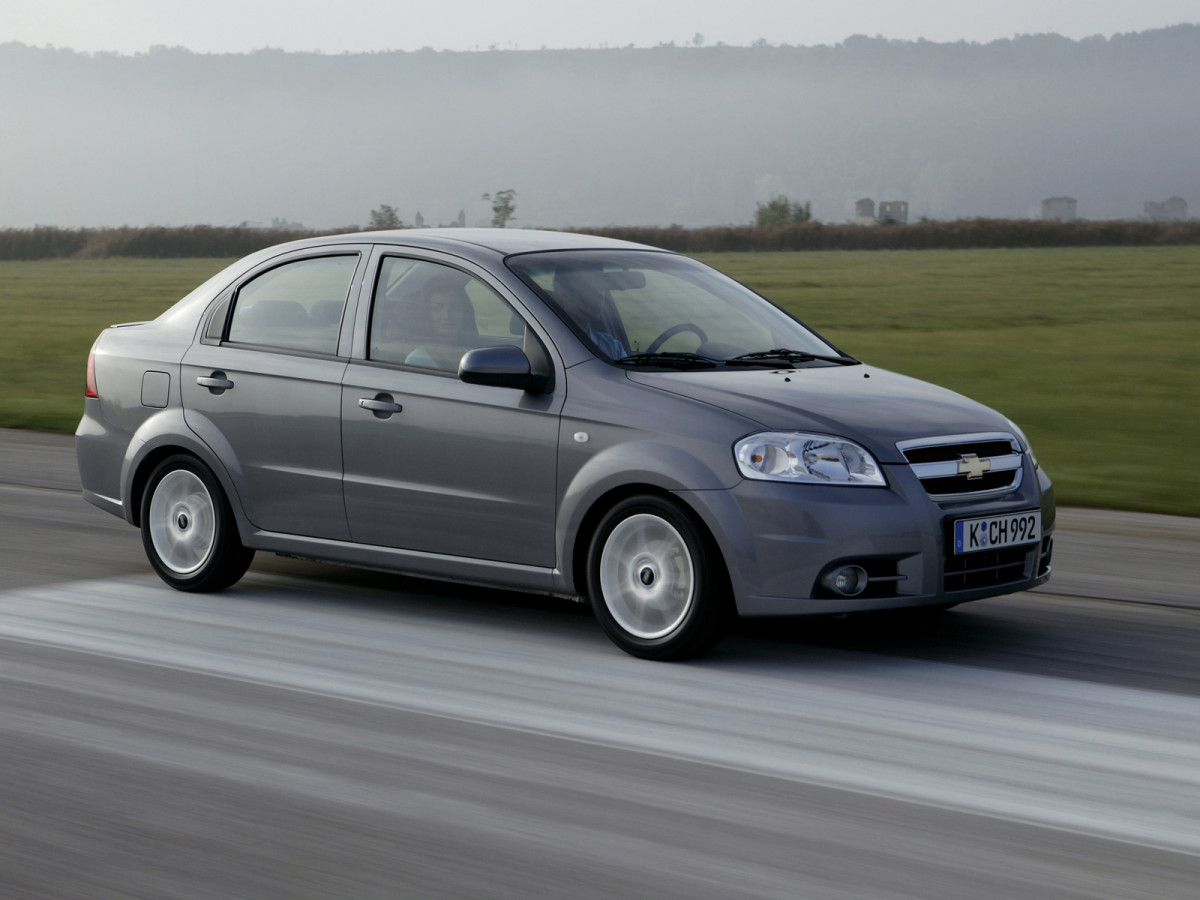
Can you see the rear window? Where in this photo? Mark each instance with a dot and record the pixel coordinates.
(295, 306)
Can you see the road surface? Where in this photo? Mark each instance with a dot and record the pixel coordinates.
(324, 732)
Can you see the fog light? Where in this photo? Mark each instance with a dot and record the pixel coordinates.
(849, 581)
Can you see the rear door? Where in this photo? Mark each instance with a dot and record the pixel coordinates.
(263, 389)
(433, 464)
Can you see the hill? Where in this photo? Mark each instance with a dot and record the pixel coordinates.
(684, 135)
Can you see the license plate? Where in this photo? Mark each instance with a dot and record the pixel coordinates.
(993, 532)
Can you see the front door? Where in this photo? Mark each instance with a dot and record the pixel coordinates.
(434, 464)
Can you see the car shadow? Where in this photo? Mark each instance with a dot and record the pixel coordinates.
(1025, 633)
(964, 634)
(380, 591)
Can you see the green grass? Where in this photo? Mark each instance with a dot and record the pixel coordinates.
(1095, 352)
(52, 311)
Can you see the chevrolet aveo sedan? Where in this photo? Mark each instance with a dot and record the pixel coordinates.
(555, 413)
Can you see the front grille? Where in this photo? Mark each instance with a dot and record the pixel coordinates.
(986, 569)
(999, 482)
(965, 466)
(922, 453)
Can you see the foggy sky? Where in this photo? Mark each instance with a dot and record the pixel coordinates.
(603, 137)
(223, 26)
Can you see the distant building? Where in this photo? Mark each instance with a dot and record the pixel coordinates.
(1059, 209)
(894, 212)
(1173, 210)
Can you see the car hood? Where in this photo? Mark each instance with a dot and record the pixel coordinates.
(873, 407)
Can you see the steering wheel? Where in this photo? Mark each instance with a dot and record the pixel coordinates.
(674, 330)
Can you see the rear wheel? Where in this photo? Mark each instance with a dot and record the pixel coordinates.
(655, 586)
(188, 529)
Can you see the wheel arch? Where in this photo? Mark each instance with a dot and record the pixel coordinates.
(625, 470)
(632, 616)
(166, 436)
(577, 575)
(191, 538)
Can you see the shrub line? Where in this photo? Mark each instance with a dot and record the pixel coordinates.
(47, 242)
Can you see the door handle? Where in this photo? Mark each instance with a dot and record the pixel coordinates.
(216, 382)
(381, 405)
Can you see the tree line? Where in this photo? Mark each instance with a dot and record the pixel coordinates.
(45, 242)
(926, 235)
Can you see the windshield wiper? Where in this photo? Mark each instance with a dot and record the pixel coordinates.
(782, 354)
(672, 360)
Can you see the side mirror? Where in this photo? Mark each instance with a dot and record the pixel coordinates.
(500, 367)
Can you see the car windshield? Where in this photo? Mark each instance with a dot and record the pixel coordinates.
(651, 308)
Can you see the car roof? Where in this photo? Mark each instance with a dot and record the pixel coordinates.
(478, 244)
(504, 241)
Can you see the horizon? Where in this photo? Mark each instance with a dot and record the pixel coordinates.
(304, 26)
(757, 44)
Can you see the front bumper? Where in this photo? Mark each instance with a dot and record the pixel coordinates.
(779, 539)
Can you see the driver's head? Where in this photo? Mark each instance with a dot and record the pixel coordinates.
(577, 291)
(445, 310)
(447, 306)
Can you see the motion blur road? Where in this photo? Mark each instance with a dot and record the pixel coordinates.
(328, 733)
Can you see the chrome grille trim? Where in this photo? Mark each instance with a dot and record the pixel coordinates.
(950, 469)
(964, 446)
(946, 440)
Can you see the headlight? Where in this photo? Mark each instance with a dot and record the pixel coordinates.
(807, 458)
(1024, 441)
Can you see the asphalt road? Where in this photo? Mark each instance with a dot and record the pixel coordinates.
(323, 732)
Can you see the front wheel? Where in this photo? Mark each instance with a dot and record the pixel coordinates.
(188, 529)
(655, 587)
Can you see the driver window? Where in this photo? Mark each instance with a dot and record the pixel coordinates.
(428, 315)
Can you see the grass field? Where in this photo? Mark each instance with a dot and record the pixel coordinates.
(1094, 351)
(52, 311)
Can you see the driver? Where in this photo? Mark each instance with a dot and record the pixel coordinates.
(449, 326)
(578, 297)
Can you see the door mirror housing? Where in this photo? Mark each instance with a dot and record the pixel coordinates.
(500, 367)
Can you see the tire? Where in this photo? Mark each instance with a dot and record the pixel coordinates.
(188, 529)
(655, 586)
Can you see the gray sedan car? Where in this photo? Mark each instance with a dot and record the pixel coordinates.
(556, 413)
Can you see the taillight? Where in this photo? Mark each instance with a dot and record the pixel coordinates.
(90, 390)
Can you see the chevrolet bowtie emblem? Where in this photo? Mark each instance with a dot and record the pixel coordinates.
(973, 467)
